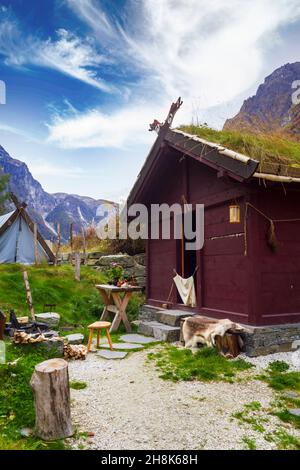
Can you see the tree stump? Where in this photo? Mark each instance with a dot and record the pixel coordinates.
(50, 383)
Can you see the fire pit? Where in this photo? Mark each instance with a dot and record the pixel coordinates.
(30, 327)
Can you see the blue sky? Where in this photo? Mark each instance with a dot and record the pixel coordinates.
(85, 77)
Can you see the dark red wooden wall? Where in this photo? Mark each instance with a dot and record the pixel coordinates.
(260, 288)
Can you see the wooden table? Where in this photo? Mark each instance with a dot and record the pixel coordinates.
(114, 303)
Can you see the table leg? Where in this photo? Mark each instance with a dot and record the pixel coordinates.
(106, 299)
(121, 305)
(98, 338)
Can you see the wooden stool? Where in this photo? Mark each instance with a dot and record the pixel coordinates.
(97, 326)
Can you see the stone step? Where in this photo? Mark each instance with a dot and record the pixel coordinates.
(148, 312)
(171, 317)
(160, 331)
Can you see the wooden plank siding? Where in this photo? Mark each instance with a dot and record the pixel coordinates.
(261, 288)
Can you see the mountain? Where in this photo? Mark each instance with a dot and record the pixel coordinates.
(271, 110)
(49, 209)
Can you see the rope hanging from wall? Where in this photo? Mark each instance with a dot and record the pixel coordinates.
(271, 234)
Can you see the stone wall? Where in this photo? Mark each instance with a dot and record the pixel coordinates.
(132, 265)
(262, 340)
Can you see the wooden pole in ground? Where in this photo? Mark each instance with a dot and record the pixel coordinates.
(2, 325)
(84, 245)
(50, 384)
(58, 243)
(71, 237)
(28, 295)
(35, 240)
(77, 266)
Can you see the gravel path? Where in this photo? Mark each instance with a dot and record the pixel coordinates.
(127, 406)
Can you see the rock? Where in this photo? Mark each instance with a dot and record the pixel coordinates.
(112, 354)
(139, 270)
(294, 411)
(95, 255)
(51, 318)
(26, 432)
(135, 338)
(124, 260)
(291, 394)
(140, 259)
(53, 346)
(92, 261)
(123, 346)
(76, 338)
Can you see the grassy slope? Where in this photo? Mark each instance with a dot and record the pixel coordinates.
(262, 147)
(76, 302)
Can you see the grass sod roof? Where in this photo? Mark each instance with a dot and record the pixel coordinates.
(277, 155)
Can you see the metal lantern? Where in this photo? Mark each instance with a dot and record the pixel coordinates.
(234, 214)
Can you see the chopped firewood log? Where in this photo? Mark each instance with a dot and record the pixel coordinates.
(23, 320)
(20, 337)
(75, 351)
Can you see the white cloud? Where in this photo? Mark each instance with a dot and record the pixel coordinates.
(118, 129)
(71, 56)
(42, 168)
(209, 51)
(67, 53)
(19, 132)
(206, 52)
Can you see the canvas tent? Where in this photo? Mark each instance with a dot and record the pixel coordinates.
(17, 239)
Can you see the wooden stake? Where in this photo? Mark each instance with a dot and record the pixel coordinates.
(71, 237)
(50, 383)
(84, 245)
(58, 244)
(77, 266)
(28, 295)
(2, 325)
(36, 253)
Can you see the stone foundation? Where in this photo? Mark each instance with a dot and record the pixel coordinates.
(263, 340)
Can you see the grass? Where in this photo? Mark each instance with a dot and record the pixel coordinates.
(205, 365)
(279, 379)
(16, 400)
(250, 442)
(77, 385)
(78, 303)
(264, 148)
(251, 416)
(284, 440)
(255, 416)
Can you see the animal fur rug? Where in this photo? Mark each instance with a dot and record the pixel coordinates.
(202, 330)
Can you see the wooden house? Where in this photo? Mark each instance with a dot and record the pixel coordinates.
(249, 266)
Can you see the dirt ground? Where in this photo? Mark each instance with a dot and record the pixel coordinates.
(127, 406)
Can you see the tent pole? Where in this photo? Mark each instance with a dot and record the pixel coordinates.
(36, 255)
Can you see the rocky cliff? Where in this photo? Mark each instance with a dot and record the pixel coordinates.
(271, 109)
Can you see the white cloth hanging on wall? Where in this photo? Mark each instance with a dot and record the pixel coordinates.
(186, 289)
